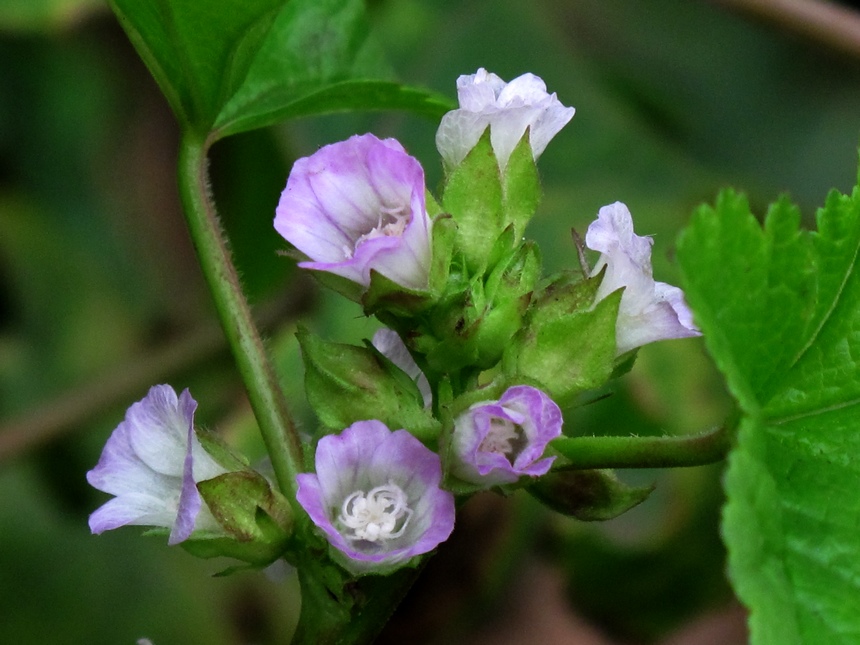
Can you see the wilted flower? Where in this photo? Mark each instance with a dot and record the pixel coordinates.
(376, 497)
(151, 463)
(390, 345)
(497, 442)
(508, 109)
(649, 310)
(359, 205)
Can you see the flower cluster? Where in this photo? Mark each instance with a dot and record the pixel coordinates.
(462, 387)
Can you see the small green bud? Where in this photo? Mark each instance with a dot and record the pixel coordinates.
(588, 495)
(256, 518)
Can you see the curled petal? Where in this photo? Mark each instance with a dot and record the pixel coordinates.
(649, 310)
(497, 442)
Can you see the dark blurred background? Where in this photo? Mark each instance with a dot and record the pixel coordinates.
(100, 297)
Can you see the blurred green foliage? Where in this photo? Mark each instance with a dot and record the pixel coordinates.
(674, 100)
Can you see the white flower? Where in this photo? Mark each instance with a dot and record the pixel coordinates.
(151, 463)
(649, 310)
(508, 109)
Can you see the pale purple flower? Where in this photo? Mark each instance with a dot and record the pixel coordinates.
(508, 109)
(390, 345)
(497, 442)
(649, 310)
(151, 463)
(359, 205)
(376, 497)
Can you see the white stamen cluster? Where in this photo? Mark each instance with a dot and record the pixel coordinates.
(500, 437)
(377, 516)
(391, 222)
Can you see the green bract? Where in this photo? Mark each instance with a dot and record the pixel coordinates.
(256, 518)
(588, 495)
(484, 203)
(346, 384)
(568, 344)
(793, 507)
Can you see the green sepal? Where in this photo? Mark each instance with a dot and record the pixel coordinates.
(443, 240)
(566, 294)
(568, 347)
(509, 290)
(588, 495)
(345, 384)
(256, 519)
(337, 283)
(384, 294)
(474, 323)
(223, 455)
(473, 197)
(521, 191)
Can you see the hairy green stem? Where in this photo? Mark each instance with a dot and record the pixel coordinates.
(264, 391)
(646, 452)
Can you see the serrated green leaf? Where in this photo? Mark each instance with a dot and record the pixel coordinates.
(780, 312)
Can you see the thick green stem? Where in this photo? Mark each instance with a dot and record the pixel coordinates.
(264, 391)
(645, 452)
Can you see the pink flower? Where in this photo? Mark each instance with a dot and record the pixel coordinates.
(497, 442)
(357, 206)
(376, 497)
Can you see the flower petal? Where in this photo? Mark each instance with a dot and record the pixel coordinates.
(390, 345)
(365, 456)
(539, 421)
(649, 310)
(509, 109)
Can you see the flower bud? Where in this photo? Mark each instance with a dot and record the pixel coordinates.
(497, 442)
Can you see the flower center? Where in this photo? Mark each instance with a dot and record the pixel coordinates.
(377, 516)
(505, 438)
(391, 222)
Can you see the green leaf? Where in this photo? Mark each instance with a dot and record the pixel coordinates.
(199, 52)
(244, 64)
(363, 94)
(780, 312)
